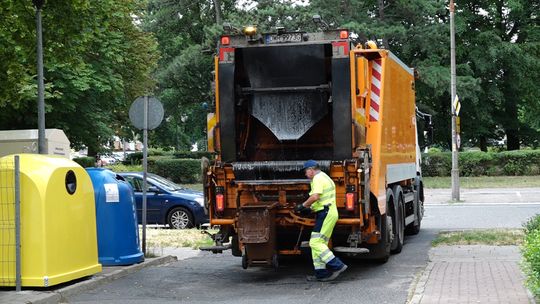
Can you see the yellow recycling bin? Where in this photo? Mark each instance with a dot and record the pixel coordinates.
(58, 221)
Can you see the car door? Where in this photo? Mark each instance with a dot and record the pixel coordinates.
(153, 204)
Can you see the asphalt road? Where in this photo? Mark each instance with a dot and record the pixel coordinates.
(209, 278)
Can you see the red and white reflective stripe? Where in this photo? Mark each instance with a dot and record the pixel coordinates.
(376, 76)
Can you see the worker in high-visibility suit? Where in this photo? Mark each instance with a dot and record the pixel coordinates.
(322, 201)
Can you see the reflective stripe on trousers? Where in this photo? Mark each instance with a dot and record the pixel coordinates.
(318, 242)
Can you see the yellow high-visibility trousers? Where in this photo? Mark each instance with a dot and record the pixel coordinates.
(322, 256)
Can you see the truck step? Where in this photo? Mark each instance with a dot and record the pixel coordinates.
(341, 249)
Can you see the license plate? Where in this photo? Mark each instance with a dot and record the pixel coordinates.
(286, 37)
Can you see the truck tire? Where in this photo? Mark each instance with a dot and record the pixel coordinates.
(244, 259)
(414, 227)
(398, 220)
(380, 253)
(235, 247)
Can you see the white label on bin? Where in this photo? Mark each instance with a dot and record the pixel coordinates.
(111, 193)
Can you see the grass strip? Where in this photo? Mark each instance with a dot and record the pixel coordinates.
(475, 182)
(176, 238)
(494, 237)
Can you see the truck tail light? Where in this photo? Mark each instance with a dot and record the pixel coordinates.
(225, 40)
(220, 203)
(349, 203)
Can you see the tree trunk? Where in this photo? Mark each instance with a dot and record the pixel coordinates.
(512, 139)
(217, 7)
(483, 143)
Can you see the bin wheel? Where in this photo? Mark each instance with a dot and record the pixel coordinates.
(244, 260)
(275, 262)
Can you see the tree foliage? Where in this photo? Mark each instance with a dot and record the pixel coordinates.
(96, 61)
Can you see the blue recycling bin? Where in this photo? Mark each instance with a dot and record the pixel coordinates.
(116, 219)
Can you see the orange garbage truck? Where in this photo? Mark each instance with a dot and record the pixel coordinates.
(283, 98)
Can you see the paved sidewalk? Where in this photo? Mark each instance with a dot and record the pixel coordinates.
(57, 294)
(472, 274)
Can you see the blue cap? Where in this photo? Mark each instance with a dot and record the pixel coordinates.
(310, 164)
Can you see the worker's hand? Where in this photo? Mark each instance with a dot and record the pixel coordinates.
(302, 210)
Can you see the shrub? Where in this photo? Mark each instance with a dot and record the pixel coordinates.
(437, 164)
(532, 224)
(185, 171)
(522, 162)
(134, 158)
(125, 168)
(85, 162)
(474, 163)
(531, 254)
(193, 154)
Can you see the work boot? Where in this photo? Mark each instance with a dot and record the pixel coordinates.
(335, 274)
(312, 278)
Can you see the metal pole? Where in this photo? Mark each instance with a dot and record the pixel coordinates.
(17, 225)
(455, 168)
(42, 149)
(145, 169)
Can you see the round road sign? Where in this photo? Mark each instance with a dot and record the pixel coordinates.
(155, 113)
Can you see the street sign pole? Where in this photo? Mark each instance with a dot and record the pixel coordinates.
(145, 113)
(42, 148)
(145, 170)
(455, 168)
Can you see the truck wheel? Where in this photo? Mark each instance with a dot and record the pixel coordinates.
(244, 259)
(235, 247)
(398, 220)
(275, 262)
(414, 228)
(381, 251)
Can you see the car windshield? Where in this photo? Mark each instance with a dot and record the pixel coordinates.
(164, 183)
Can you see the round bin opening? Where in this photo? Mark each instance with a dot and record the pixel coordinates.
(71, 182)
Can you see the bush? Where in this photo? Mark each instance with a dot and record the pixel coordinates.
(437, 164)
(85, 162)
(531, 254)
(185, 171)
(522, 162)
(125, 168)
(532, 224)
(193, 154)
(134, 158)
(475, 163)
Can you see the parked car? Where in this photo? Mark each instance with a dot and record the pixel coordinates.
(167, 203)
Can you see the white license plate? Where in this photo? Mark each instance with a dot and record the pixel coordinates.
(286, 37)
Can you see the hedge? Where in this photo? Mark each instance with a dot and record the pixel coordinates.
(193, 154)
(522, 162)
(184, 171)
(85, 162)
(531, 254)
(136, 158)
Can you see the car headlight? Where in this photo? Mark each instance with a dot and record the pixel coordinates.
(200, 200)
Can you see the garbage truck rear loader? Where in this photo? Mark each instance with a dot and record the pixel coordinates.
(283, 98)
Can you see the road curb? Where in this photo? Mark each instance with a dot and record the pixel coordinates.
(60, 295)
(419, 284)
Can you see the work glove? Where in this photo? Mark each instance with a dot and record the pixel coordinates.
(302, 210)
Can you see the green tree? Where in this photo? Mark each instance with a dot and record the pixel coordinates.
(502, 39)
(97, 60)
(186, 32)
